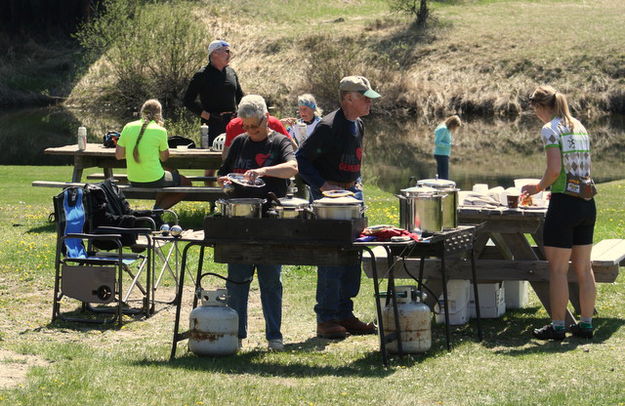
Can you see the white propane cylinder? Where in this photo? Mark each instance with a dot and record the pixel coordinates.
(213, 325)
(415, 320)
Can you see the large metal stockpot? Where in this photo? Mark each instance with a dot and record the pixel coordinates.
(338, 208)
(450, 200)
(420, 207)
(244, 207)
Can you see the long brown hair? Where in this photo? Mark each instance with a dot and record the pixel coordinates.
(547, 96)
(150, 111)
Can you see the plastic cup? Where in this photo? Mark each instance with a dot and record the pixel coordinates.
(513, 201)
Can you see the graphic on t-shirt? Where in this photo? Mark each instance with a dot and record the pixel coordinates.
(260, 159)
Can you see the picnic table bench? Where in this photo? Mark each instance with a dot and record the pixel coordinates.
(193, 193)
(122, 178)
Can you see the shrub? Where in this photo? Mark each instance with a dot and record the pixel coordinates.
(152, 50)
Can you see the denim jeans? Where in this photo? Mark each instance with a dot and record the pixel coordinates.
(270, 295)
(442, 166)
(336, 285)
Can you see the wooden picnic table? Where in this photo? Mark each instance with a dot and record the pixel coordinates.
(96, 155)
(503, 251)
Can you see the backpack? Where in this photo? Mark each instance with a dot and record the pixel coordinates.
(99, 205)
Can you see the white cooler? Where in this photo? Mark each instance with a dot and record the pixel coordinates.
(492, 300)
(458, 296)
(517, 295)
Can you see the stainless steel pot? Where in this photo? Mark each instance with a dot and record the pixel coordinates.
(421, 208)
(450, 200)
(342, 208)
(244, 207)
(292, 207)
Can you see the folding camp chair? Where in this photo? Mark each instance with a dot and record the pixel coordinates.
(94, 275)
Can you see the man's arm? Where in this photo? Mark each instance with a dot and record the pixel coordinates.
(190, 96)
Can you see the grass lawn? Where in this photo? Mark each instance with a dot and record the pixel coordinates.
(73, 364)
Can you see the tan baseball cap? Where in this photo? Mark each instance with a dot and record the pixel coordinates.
(358, 84)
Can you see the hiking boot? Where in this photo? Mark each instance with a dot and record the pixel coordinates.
(331, 329)
(275, 344)
(357, 327)
(581, 332)
(548, 333)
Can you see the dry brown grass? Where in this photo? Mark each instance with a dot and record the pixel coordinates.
(475, 59)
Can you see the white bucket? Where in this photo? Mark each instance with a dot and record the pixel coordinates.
(458, 297)
(517, 296)
(492, 300)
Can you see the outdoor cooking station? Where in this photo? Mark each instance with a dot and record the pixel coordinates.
(301, 241)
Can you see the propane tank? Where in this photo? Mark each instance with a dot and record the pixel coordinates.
(414, 321)
(214, 326)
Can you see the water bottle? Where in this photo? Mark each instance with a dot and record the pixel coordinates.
(204, 136)
(82, 138)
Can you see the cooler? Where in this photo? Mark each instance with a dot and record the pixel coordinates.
(458, 296)
(492, 300)
(517, 295)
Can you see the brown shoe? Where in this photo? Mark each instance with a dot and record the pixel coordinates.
(357, 327)
(331, 329)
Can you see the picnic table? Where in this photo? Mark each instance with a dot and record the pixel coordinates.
(96, 155)
(504, 251)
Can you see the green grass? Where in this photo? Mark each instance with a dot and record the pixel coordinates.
(87, 365)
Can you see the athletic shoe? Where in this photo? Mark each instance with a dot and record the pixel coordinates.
(548, 333)
(275, 344)
(581, 332)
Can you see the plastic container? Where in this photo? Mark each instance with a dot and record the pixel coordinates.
(81, 138)
(204, 136)
(492, 300)
(516, 294)
(458, 296)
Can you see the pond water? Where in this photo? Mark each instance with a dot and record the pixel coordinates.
(493, 152)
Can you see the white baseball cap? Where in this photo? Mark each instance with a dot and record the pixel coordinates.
(217, 44)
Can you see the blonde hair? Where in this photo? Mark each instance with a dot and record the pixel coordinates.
(150, 111)
(453, 122)
(549, 97)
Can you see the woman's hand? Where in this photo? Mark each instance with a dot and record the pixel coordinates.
(223, 179)
(252, 174)
(288, 121)
(530, 189)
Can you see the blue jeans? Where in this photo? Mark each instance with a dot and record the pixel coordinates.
(270, 296)
(442, 166)
(336, 285)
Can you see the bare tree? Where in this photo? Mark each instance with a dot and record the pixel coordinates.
(418, 8)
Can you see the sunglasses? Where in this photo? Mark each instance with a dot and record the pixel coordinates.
(254, 127)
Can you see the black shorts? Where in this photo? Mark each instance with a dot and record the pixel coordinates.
(570, 221)
(169, 179)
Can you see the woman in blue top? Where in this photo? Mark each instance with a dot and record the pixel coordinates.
(442, 144)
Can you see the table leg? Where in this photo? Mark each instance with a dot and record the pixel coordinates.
(476, 295)
(198, 277)
(393, 292)
(77, 174)
(445, 301)
(108, 173)
(178, 302)
(378, 308)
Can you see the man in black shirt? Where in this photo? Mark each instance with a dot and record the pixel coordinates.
(328, 160)
(219, 90)
(259, 152)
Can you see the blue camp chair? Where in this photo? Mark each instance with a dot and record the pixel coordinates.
(93, 275)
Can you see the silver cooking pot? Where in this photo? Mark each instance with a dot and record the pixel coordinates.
(290, 207)
(420, 207)
(338, 208)
(244, 207)
(450, 199)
